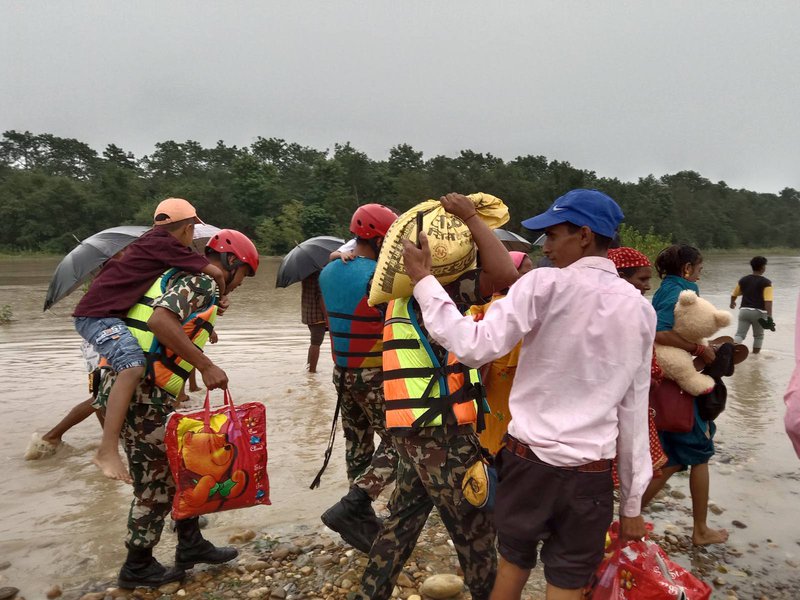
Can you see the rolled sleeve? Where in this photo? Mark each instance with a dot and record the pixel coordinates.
(474, 343)
(187, 294)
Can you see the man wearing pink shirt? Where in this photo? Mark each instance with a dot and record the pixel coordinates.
(587, 336)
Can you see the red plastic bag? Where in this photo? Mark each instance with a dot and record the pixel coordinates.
(218, 458)
(641, 570)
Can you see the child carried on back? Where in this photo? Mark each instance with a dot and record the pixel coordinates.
(120, 284)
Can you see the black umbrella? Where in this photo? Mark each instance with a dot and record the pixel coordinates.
(513, 241)
(88, 257)
(306, 258)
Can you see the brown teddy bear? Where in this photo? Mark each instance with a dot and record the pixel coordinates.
(695, 320)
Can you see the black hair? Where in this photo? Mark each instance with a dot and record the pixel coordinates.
(670, 260)
(371, 242)
(603, 242)
(628, 272)
(758, 263)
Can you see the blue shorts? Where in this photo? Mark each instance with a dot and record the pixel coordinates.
(112, 340)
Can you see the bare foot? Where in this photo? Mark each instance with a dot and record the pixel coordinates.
(194, 388)
(111, 465)
(709, 536)
(39, 447)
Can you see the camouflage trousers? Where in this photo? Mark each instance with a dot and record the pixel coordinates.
(430, 468)
(363, 415)
(153, 487)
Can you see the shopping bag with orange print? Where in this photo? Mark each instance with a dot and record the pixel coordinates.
(218, 458)
(641, 570)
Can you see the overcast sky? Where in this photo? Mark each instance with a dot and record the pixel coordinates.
(622, 88)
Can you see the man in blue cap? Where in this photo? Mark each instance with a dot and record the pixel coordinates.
(588, 336)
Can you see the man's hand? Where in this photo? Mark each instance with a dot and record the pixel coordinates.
(458, 205)
(417, 261)
(733, 303)
(214, 377)
(223, 305)
(631, 528)
(213, 338)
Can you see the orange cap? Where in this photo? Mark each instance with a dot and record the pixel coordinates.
(175, 209)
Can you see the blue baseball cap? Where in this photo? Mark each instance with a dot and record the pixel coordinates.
(591, 208)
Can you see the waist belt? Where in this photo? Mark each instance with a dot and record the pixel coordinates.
(514, 446)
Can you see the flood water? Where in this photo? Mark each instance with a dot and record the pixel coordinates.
(62, 522)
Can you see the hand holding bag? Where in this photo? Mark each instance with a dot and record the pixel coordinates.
(218, 458)
(641, 570)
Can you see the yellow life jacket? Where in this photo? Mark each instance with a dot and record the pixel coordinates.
(166, 369)
(418, 389)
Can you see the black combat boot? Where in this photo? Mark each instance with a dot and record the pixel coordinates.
(193, 548)
(142, 570)
(354, 519)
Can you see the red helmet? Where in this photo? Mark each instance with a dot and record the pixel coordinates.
(372, 221)
(236, 243)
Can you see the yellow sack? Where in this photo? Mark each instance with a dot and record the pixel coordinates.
(452, 248)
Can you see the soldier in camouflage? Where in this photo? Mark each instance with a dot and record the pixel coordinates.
(143, 433)
(356, 331)
(432, 461)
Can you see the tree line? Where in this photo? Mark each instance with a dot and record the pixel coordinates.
(54, 189)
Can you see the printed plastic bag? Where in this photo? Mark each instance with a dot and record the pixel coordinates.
(218, 458)
(640, 570)
(452, 248)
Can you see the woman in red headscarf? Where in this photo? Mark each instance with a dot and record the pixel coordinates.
(635, 268)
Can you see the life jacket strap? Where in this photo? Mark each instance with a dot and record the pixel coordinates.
(360, 354)
(136, 324)
(355, 336)
(418, 372)
(364, 318)
(409, 344)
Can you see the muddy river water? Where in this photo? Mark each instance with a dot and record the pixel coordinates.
(62, 523)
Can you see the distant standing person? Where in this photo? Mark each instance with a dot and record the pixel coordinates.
(313, 315)
(756, 293)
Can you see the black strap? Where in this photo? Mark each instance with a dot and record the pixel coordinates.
(136, 323)
(356, 336)
(401, 344)
(345, 316)
(172, 365)
(345, 354)
(418, 372)
(332, 437)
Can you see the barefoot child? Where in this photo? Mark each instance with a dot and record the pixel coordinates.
(121, 283)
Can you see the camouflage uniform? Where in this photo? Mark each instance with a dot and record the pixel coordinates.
(431, 464)
(364, 415)
(145, 424)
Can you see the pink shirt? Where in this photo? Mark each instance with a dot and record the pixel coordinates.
(792, 397)
(581, 389)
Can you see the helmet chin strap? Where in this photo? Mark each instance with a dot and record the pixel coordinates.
(233, 266)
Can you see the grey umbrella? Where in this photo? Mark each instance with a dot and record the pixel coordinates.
(513, 241)
(306, 258)
(87, 258)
